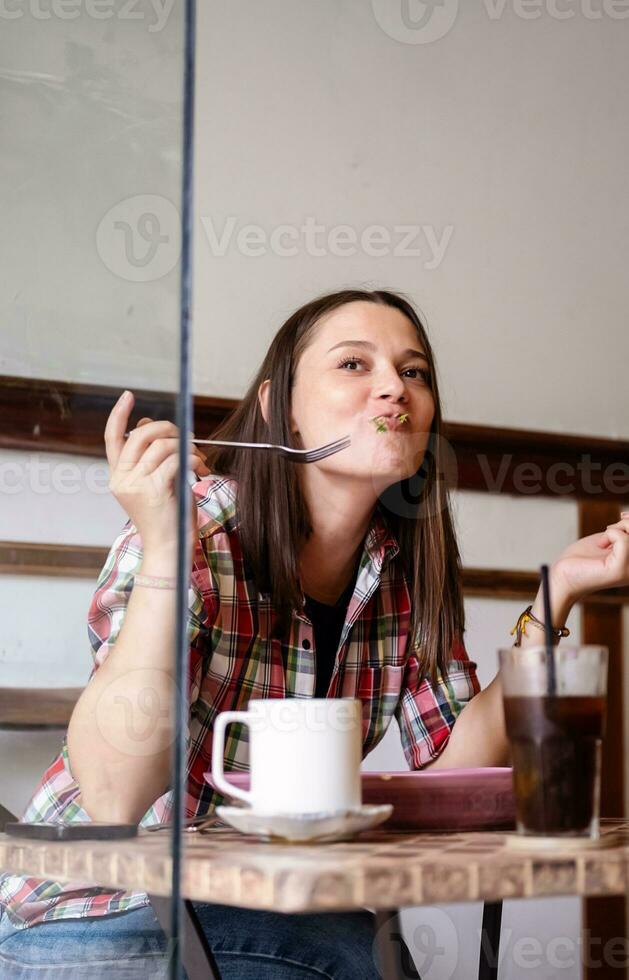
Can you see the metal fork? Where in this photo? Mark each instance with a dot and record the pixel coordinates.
(296, 455)
(196, 824)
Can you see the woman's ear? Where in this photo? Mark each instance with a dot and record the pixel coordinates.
(264, 392)
(263, 398)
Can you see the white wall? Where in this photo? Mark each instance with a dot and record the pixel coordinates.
(507, 131)
(504, 140)
(47, 497)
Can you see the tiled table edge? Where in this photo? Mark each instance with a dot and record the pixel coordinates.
(343, 876)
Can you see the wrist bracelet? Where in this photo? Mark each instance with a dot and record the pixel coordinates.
(155, 581)
(527, 617)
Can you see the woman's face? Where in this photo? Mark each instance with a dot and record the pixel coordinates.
(361, 364)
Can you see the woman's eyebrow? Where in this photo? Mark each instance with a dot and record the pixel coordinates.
(409, 352)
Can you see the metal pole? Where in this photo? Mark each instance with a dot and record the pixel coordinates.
(185, 425)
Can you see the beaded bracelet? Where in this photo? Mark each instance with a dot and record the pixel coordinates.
(527, 617)
(155, 581)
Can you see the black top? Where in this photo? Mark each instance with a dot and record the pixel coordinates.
(327, 622)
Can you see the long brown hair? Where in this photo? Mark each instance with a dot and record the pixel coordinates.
(273, 516)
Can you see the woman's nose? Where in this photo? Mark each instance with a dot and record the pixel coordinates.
(388, 381)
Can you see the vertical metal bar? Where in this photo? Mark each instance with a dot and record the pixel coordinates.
(490, 941)
(395, 960)
(198, 959)
(185, 425)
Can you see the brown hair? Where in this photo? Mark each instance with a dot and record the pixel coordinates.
(273, 514)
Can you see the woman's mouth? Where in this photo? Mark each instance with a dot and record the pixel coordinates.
(383, 423)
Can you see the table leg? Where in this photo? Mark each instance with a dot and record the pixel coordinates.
(395, 958)
(490, 941)
(198, 959)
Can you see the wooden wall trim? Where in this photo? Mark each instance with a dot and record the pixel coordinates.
(58, 416)
(65, 560)
(86, 561)
(500, 583)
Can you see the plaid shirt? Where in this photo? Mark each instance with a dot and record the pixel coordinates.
(235, 658)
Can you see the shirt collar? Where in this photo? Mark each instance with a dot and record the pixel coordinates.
(380, 542)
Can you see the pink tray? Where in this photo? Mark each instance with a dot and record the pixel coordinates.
(446, 799)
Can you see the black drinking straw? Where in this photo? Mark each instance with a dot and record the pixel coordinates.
(548, 631)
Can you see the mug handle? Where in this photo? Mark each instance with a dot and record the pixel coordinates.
(218, 748)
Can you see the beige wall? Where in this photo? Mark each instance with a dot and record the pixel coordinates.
(502, 144)
(506, 131)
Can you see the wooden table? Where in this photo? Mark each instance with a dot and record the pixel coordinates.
(383, 870)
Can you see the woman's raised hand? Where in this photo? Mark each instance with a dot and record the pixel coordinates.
(143, 473)
(598, 561)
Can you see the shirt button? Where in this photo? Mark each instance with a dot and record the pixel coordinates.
(306, 644)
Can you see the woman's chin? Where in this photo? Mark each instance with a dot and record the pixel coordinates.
(393, 456)
(386, 473)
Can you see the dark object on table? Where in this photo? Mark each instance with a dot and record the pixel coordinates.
(72, 831)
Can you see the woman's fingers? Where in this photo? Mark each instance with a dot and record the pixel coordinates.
(162, 449)
(116, 427)
(619, 556)
(164, 475)
(142, 437)
(616, 533)
(125, 454)
(623, 523)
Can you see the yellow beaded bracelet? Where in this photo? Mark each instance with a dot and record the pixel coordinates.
(527, 617)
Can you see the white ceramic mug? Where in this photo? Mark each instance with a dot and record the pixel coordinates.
(304, 754)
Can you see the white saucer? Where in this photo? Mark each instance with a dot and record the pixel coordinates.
(339, 825)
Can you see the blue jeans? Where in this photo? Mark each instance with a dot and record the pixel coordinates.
(247, 945)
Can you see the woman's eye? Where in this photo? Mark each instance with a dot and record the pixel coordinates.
(350, 360)
(419, 372)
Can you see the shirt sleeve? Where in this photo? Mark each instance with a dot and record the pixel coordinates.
(57, 795)
(111, 596)
(426, 712)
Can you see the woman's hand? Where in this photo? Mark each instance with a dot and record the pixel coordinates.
(598, 561)
(143, 472)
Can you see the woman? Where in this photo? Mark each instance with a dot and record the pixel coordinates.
(339, 578)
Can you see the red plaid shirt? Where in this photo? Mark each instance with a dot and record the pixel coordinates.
(235, 658)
